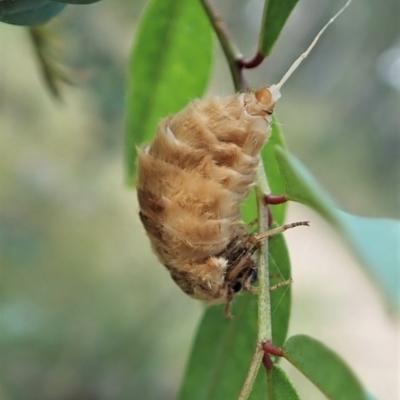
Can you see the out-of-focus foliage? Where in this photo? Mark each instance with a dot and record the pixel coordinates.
(33, 12)
(25, 12)
(52, 73)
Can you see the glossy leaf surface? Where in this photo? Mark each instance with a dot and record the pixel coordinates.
(169, 66)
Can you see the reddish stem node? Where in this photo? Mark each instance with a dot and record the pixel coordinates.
(269, 348)
(253, 62)
(272, 199)
(268, 364)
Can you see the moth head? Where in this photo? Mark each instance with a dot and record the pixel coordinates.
(245, 281)
(267, 97)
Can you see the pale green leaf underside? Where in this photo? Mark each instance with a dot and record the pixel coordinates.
(324, 368)
(375, 241)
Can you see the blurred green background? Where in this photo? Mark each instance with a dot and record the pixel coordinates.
(86, 312)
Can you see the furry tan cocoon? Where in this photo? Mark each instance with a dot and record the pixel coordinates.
(192, 179)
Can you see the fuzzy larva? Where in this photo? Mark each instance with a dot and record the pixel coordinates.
(192, 179)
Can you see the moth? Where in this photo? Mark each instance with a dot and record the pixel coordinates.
(192, 179)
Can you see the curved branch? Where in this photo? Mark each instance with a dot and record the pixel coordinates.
(253, 62)
(231, 51)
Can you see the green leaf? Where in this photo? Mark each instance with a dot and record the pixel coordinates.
(302, 187)
(249, 206)
(76, 1)
(324, 368)
(51, 70)
(279, 261)
(276, 13)
(169, 66)
(222, 351)
(375, 241)
(24, 12)
(12, 7)
(281, 387)
(272, 170)
(281, 299)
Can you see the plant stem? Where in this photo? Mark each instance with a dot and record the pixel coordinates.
(235, 61)
(231, 51)
(264, 333)
(264, 297)
(252, 374)
(253, 62)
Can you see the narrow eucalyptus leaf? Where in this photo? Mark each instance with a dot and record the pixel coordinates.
(170, 65)
(375, 241)
(222, 352)
(281, 299)
(324, 368)
(282, 388)
(272, 170)
(276, 13)
(29, 13)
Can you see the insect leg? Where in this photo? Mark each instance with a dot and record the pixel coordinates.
(279, 229)
(251, 224)
(240, 266)
(248, 281)
(280, 284)
(228, 305)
